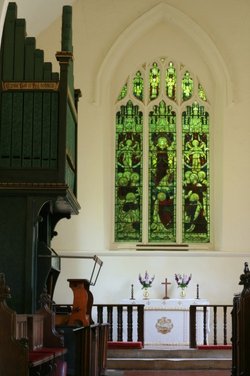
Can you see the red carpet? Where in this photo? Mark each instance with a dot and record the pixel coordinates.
(124, 345)
(214, 347)
(178, 373)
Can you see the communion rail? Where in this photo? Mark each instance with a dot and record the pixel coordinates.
(216, 317)
(125, 320)
(115, 315)
(126, 323)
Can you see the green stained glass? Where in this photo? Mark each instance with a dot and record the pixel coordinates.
(154, 81)
(148, 206)
(138, 86)
(128, 205)
(187, 86)
(123, 92)
(196, 215)
(171, 81)
(201, 93)
(162, 174)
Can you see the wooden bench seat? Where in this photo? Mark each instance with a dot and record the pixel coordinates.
(29, 344)
(36, 358)
(49, 357)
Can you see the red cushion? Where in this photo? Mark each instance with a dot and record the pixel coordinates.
(124, 345)
(36, 358)
(56, 351)
(214, 347)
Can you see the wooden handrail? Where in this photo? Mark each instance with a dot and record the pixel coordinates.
(107, 313)
(206, 314)
(126, 319)
(119, 310)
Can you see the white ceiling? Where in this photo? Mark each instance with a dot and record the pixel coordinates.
(39, 14)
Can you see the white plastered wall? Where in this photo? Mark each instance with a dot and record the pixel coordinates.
(161, 31)
(110, 39)
(3, 8)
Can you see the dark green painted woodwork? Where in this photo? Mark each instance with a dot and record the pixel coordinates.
(38, 157)
(5, 130)
(16, 245)
(16, 130)
(67, 29)
(54, 130)
(7, 45)
(19, 49)
(30, 45)
(28, 102)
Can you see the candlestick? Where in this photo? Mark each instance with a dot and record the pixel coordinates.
(197, 292)
(132, 292)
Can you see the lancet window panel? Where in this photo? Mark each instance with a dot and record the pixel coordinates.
(162, 175)
(195, 151)
(129, 173)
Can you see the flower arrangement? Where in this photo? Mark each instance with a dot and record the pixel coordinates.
(183, 280)
(146, 281)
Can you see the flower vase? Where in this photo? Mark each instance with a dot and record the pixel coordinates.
(183, 292)
(145, 293)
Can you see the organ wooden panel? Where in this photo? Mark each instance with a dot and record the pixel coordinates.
(38, 156)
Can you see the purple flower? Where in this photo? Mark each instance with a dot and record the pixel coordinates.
(146, 281)
(183, 280)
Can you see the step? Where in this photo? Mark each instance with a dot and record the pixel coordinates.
(157, 359)
(169, 364)
(165, 353)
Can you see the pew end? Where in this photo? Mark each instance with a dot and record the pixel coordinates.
(27, 342)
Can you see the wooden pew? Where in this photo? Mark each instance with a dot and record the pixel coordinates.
(29, 344)
(91, 349)
(86, 342)
(241, 327)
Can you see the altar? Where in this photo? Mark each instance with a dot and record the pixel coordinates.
(166, 321)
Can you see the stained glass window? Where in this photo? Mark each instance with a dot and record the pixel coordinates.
(162, 174)
(201, 93)
(138, 86)
(187, 86)
(195, 122)
(171, 81)
(154, 81)
(123, 92)
(129, 123)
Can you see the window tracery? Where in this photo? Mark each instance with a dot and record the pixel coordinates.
(162, 156)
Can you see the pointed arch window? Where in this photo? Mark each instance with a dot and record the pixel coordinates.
(162, 174)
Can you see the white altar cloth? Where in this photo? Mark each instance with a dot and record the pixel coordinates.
(166, 321)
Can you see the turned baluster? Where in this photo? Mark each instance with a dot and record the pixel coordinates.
(110, 321)
(100, 314)
(215, 325)
(225, 324)
(130, 322)
(205, 325)
(119, 323)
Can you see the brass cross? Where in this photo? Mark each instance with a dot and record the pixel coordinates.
(166, 283)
